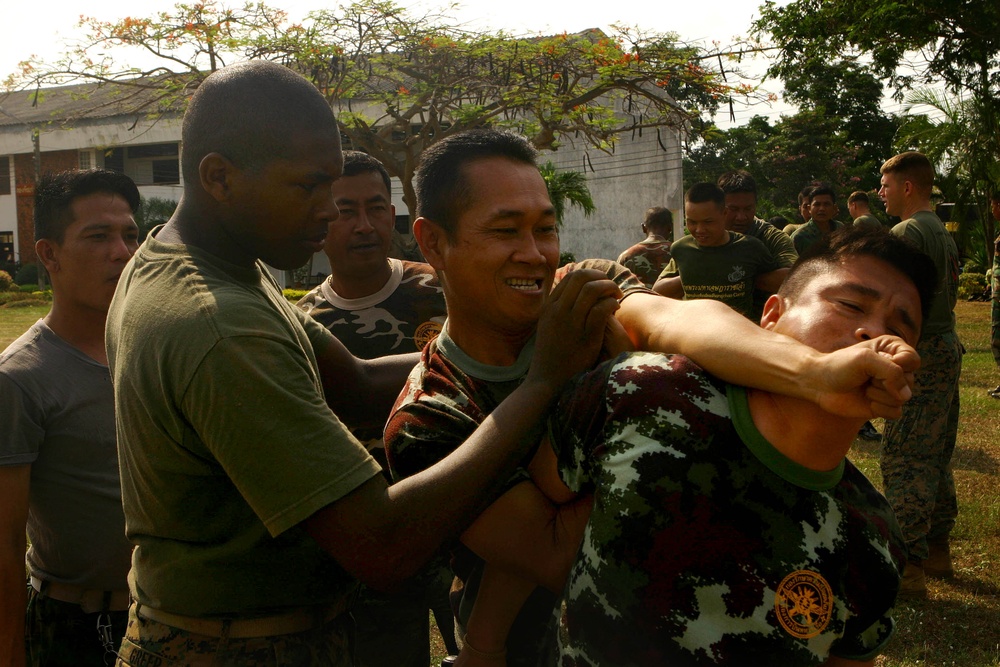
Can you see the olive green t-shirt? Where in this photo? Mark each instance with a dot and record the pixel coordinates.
(725, 273)
(927, 231)
(226, 442)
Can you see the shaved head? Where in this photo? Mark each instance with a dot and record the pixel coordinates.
(248, 112)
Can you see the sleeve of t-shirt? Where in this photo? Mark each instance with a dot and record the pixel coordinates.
(422, 432)
(781, 247)
(766, 259)
(670, 270)
(23, 430)
(276, 439)
(576, 424)
(628, 282)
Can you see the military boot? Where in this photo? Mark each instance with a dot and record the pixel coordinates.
(938, 562)
(914, 583)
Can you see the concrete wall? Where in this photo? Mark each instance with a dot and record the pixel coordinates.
(639, 174)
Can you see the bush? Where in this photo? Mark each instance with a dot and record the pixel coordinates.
(26, 303)
(971, 285)
(6, 282)
(294, 295)
(27, 288)
(27, 274)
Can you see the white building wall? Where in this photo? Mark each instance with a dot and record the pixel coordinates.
(639, 174)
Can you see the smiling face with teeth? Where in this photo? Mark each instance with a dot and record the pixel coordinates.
(498, 268)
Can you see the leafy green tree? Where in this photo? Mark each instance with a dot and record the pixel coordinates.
(567, 188)
(152, 212)
(400, 81)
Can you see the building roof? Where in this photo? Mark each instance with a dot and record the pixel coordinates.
(91, 101)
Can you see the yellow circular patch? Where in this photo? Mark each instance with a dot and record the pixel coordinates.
(803, 603)
(425, 333)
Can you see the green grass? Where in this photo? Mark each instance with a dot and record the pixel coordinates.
(14, 321)
(959, 624)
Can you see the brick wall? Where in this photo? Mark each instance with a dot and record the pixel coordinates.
(24, 182)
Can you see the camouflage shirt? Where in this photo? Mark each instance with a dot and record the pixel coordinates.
(706, 546)
(401, 317)
(647, 258)
(447, 396)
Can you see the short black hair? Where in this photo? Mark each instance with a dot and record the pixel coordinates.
(806, 193)
(737, 181)
(824, 189)
(241, 112)
(55, 193)
(441, 186)
(862, 241)
(659, 218)
(356, 162)
(705, 192)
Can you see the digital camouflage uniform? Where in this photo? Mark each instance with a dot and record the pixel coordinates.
(647, 258)
(917, 448)
(403, 316)
(706, 546)
(151, 644)
(447, 396)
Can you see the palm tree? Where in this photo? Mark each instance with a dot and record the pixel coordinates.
(567, 186)
(962, 140)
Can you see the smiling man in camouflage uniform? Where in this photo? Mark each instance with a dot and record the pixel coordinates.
(728, 527)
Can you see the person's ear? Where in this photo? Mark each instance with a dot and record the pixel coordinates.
(432, 240)
(48, 254)
(216, 172)
(773, 310)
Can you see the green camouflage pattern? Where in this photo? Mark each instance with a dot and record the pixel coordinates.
(917, 448)
(151, 644)
(706, 546)
(402, 317)
(647, 258)
(446, 397)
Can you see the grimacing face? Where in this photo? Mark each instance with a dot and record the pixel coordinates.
(857, 299)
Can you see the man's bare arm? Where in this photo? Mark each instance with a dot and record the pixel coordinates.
(670, 287)
(374, 383)
(14, 485)
(861, 380)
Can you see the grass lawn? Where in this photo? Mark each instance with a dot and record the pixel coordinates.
(960, 622)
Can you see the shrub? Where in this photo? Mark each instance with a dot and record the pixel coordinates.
(6, 282)
(27, 288)
(971, 285)
(294, 295)
(25, 303)
(27, 274)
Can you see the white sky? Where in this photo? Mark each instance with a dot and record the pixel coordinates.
(40, 27)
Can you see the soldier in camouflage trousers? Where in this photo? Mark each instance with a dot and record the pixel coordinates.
(917, 450)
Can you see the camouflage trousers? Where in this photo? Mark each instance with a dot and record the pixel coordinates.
(58, 634)
(148, 643)
(917, 449)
